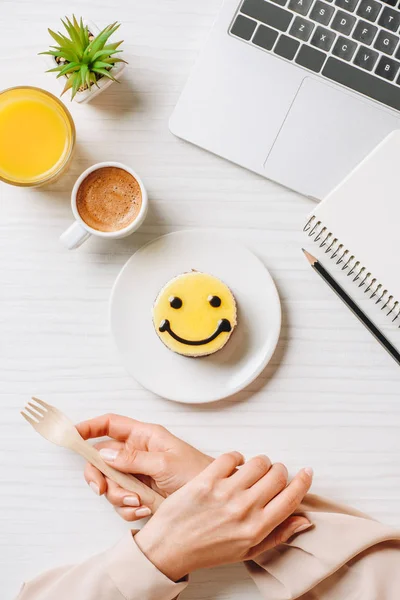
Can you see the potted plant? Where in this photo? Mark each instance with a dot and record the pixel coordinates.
(85, 60)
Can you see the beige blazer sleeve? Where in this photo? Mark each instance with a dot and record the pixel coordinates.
(122, 573)
(346, 556)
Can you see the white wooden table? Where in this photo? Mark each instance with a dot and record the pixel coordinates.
(330, 396)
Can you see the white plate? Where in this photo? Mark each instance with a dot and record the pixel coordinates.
(195, 380)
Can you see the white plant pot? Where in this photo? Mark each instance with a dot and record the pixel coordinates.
(103, 82)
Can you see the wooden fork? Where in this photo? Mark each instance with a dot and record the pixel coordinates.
(55, 427)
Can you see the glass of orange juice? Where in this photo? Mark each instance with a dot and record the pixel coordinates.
(37, 136)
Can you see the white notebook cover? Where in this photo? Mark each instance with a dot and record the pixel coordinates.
(363, 213)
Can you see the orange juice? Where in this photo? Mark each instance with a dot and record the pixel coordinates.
(37, 136)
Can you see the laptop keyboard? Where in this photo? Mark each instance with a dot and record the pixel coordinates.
(352, 42)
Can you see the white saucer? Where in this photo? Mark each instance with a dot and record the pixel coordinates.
(195, 380)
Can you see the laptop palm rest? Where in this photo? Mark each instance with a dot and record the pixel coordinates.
(298, 160)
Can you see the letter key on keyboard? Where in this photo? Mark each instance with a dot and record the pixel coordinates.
(366, 58)
(323, 38)
(390, 19)
(387, 68)
(369, 9)
(344, 48)
(386, 42)
(267, 13)
(301, 29)
(365, 32)
(343, 22)
(321, 12)
(300, 6)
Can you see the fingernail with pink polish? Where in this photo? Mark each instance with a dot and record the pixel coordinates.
(95, 488)
(131, 501)
(143, 512)
(108, 454)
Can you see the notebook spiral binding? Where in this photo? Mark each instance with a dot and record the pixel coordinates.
(323, 237)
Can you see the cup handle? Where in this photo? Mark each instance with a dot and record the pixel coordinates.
(74, 236)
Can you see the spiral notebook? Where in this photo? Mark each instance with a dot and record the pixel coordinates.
(356, 229)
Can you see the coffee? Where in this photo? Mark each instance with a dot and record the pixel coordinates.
(109, 199)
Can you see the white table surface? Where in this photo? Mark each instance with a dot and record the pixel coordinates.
(330, 396)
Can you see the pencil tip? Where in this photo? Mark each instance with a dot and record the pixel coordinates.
(311, 259)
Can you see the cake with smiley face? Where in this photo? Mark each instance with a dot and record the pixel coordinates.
(195, 314)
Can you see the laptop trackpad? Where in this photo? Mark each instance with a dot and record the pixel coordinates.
(326, 133)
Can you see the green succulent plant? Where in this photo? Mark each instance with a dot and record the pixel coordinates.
(82, 58)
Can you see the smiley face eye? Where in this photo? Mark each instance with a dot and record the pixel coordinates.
(175, 302)
(215, 301)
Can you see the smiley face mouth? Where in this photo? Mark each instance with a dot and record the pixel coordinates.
(224, 326)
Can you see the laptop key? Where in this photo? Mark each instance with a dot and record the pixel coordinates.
(343, 22)
(301, 29)
(300, 6)
(265, 37)
(390, 19)
(323, 38)
(286, 47)
(310, 58)
(366, 58)
(349, 5)
(369, 9)
(387, 68)
(365, 32)
(280, 2)
(267, 13)
(362, 82)
(391, 2)
(321, 12)
(243, 27)
(386, 42)
(344, 48)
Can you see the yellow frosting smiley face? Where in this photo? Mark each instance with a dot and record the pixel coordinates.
(195, 314)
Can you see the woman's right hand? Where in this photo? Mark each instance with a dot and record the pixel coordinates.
(224, 515)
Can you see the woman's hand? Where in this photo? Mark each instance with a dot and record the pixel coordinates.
(161, 460)
(225, 515)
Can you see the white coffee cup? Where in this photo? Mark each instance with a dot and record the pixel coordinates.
(80, 231)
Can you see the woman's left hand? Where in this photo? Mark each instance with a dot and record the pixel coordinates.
(151, 452)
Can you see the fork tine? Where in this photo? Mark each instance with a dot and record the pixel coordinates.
(36, 415)
(42, 403)
(31, 421)
(38, 409)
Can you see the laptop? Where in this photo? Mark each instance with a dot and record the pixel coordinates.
(299, 91)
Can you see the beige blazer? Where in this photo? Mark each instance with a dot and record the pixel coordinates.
(346, 556)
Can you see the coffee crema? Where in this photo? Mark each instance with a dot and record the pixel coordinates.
(109, 199)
